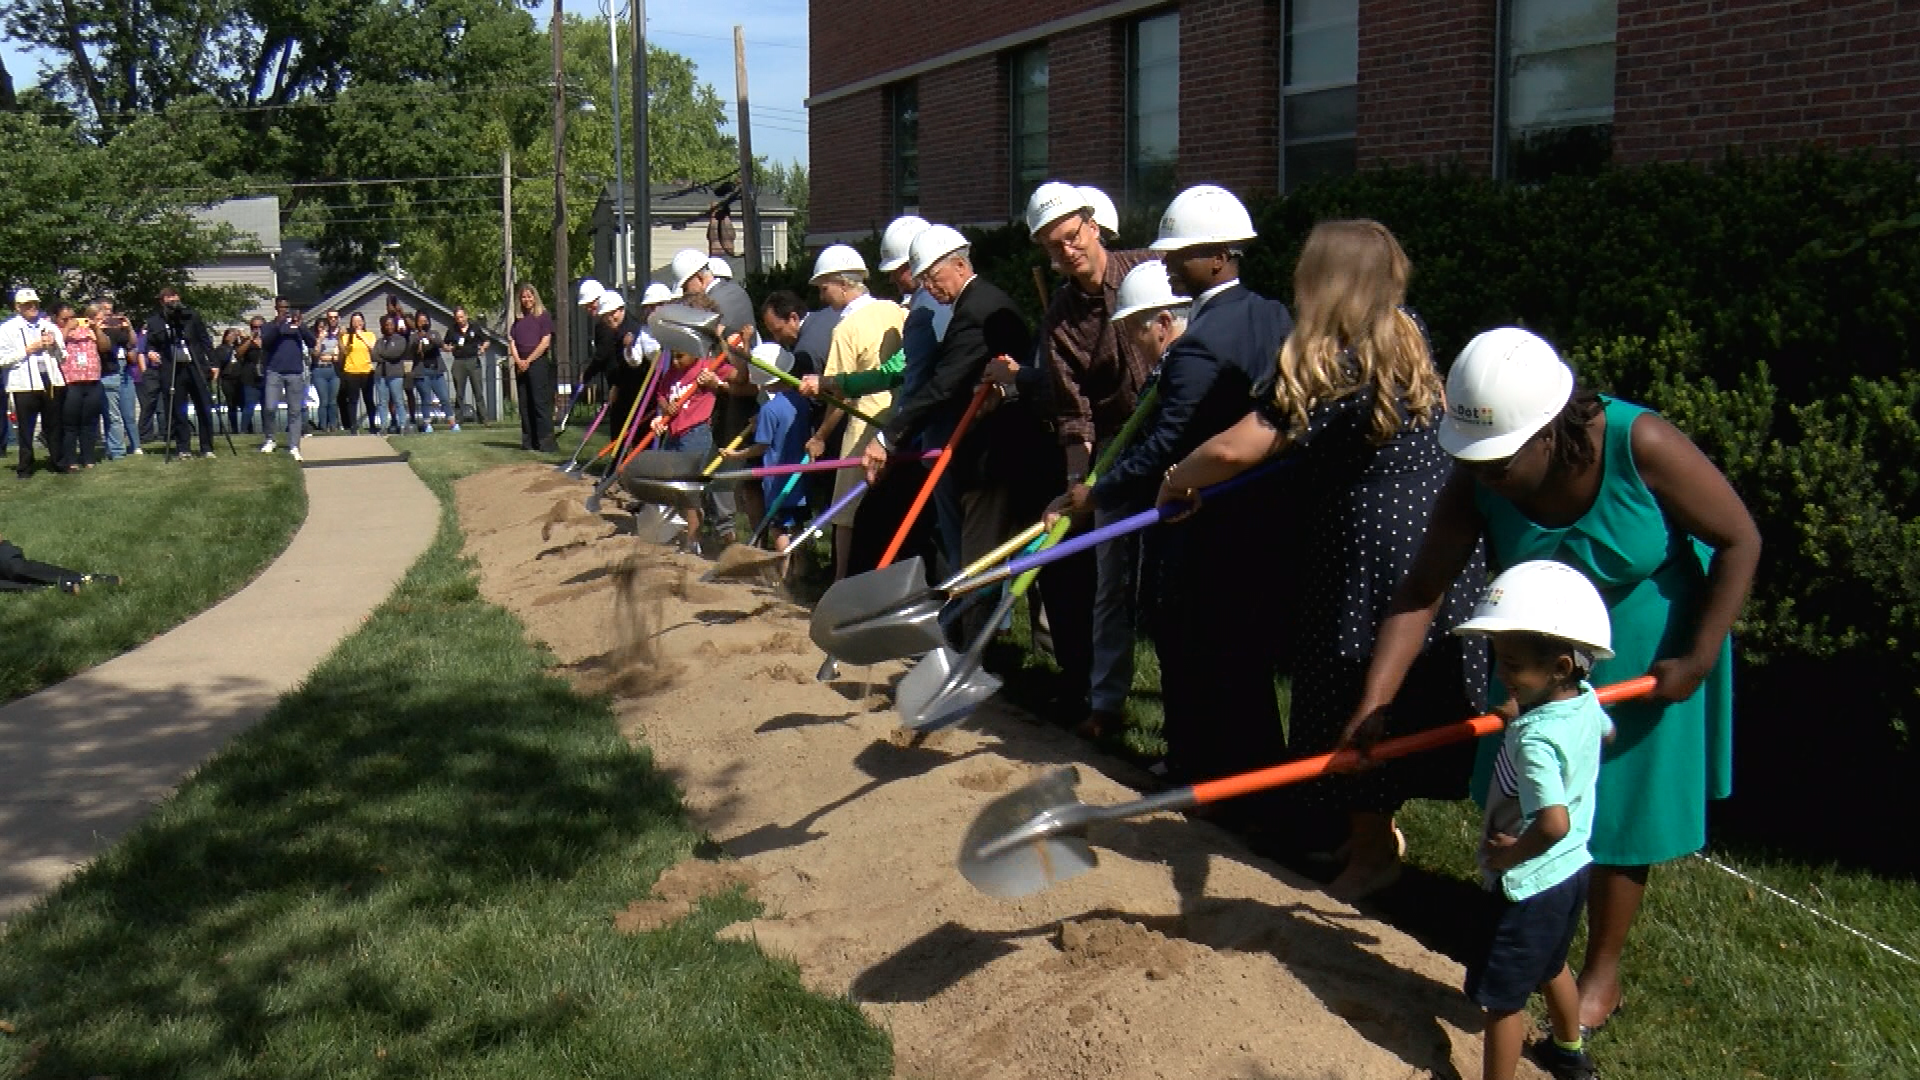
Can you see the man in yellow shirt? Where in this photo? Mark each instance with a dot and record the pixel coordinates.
(866, 335)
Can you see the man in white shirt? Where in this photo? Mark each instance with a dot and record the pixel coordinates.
(31, 348)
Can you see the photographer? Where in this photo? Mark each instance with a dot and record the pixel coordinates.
(177, 348)
(286, 342)
(463, 342)
(429, 374)
(239, 380)
(390, 376)
(31, 348)
(114, 336)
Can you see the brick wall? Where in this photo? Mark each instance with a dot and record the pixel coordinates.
(850, 163)
(1426, 83)
(855, 39)
(963, 142)
(1694, 76)
(1230, 95)
(1087, 106)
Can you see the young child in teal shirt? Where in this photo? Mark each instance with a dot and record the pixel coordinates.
(1548, 625)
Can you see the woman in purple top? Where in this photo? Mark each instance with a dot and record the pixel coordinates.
(530, 347)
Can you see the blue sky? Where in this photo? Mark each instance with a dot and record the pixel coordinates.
(776, 32)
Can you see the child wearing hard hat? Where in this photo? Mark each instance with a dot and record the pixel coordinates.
(1549, 627)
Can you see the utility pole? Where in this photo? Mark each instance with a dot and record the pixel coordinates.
(562, 298)
(642, 221)
(749, 205)
(506, 250)
(619, 180)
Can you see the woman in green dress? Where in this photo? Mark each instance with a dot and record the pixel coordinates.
(1552, 471)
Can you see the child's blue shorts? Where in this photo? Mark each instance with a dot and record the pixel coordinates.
(1527, 943)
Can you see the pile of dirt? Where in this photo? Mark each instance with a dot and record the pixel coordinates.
(1180, 955)
(679, 890)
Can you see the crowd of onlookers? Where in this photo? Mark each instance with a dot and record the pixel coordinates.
(87, 383)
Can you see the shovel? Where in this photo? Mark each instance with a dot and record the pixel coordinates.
(745, 561)
(1029, 839)
(760, 472)
(889, 613)
(635, 421)
(838, 402)
(944, 687)
(573, 465)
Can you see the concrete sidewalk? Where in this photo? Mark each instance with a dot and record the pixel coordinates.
(82, 761)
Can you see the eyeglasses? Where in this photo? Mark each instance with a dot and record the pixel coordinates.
(1073, 241)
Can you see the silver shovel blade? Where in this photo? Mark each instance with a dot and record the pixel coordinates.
(880, 615)
(942, 690)
(656, 524)
(683, 329)
(1032, 866)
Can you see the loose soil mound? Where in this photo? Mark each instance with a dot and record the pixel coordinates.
(1181, 955)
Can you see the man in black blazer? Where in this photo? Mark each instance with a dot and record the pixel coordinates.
(178, 344)
(1214, 593)
(1008, 465)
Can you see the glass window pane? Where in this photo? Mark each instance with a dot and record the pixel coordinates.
(1306, 12)
(1157, 39)
(1535, 25)
(1157, 137)
(1559, 88)
(1153, 109)
(1329, 54)
(1319, 161)
(906, 145)
(1325, 112)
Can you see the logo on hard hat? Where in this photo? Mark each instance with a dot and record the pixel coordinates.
(1476, 415)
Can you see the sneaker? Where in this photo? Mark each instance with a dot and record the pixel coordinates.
(1562, 1064)
(137, 452)
(295, 453)
(455, 427)
(209, 454)
(426, 429)
(267, 447)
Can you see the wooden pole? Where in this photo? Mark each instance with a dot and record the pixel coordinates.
(641, 221)
(506, 262)
(749, 206)
(562, 301)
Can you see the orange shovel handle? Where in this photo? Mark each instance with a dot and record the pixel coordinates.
(1293, 772)
(933, 476)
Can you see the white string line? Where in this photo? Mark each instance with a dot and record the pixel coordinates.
(1808, 908)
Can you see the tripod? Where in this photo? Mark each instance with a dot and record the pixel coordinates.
(222, 410)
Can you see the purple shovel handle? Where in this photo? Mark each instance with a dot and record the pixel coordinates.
(1099, 536)
(827, 516)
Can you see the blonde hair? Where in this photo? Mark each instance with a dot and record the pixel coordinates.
(524, 287)
(1348, 288)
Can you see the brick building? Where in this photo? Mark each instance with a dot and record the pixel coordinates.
(959, 110)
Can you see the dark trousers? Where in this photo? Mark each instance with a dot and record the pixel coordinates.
(1069, 587)
(353, 388)
(80, 422)
(19, 573)
(186, 382)
(466, 389)
(152, 405)
(880, 513)
(535, 388)
(33, 408)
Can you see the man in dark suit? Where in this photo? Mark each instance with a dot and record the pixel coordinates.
(1008, 464)
(178, 346)
(1213, 593)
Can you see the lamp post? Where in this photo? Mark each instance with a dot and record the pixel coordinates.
(619, 203)
(642, 188)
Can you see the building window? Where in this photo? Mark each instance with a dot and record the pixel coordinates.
(1153, 109)
(1027, 99)
(904, 108)
(1317, 96)
(1557, 87)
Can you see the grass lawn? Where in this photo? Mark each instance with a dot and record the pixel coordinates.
(182, 536)
(1724, 980)
(411, 868)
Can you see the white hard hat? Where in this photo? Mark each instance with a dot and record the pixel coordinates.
(1105, 214)
(1052, 201)
(686, 263)
(590, 292)
(718, 267)
(897, 239)
(1506, 385)
(656, 294)
(1204, 215)
(934, 243)
(1545, 597)
(773, 354)
(1146, 288)
(837, 259)
(25, 296)
(610, 301)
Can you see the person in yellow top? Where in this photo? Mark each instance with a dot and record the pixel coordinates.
(866, 335)
(356, 372)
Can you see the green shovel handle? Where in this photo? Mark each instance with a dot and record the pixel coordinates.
(833, 399)
(1111, 454)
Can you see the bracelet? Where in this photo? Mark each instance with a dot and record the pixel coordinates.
(1168, 480)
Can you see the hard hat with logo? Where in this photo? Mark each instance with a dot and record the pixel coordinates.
(718, 267)
(1506, 385)
(1105, 214)
(590, 292)
(686, 263)
(934, 243)
(610, 301)
(1146, 288)
(837, 259)
(1548, 598)
(1204, 216)
(898, 237)
(1052, 201)
(656, 293)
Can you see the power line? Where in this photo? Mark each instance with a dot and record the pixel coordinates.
(716, 37)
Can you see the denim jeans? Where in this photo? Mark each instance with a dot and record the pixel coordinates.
(326, 383)
(390, 402)
(249, 410)
(1117, 564)
(431, 385)
(290, 390)
(123, 421)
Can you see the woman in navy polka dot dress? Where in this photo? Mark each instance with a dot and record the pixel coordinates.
(1355, 401)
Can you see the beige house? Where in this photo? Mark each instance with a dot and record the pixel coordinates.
(255, 262)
